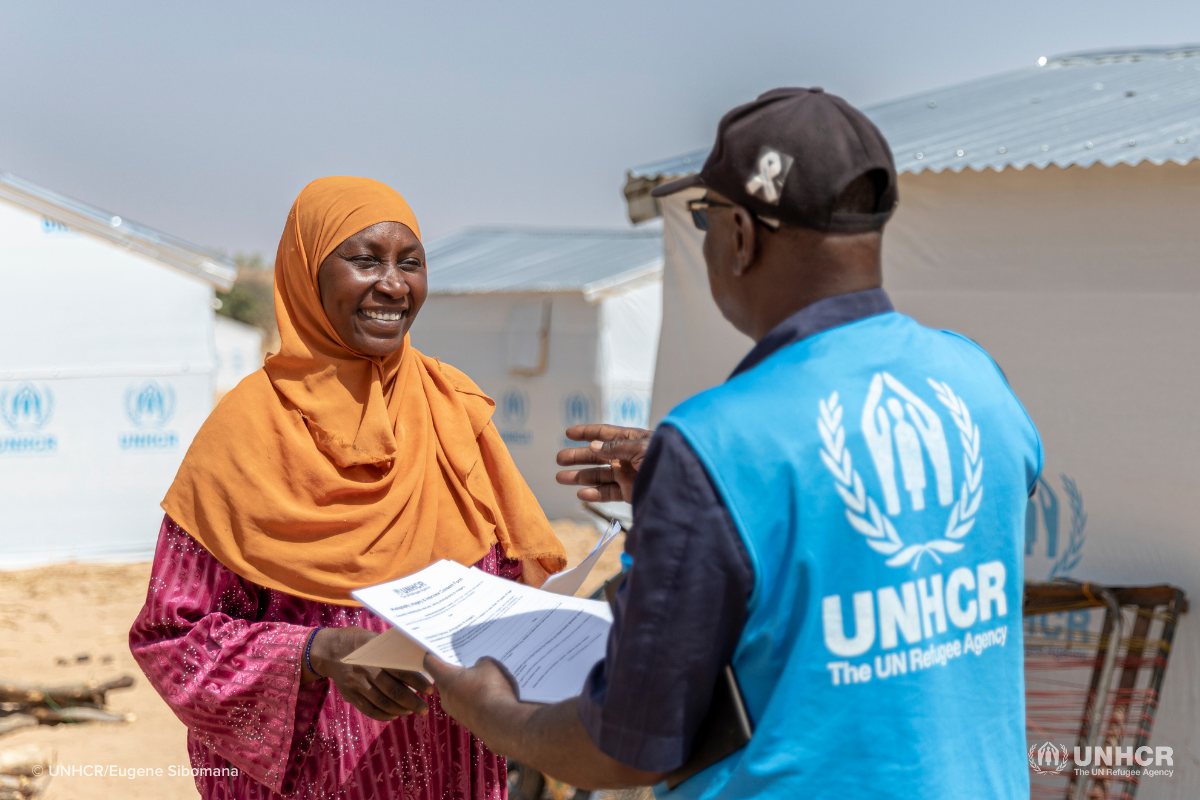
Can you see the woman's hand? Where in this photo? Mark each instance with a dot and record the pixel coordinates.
(381, 694)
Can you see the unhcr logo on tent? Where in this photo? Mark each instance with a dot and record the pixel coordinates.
(576, 410)
(629, 410)
(1055, 533)
(53, 226)
(149, 406)
(514, 407)
(512, 413)
(26, 409)
(1055, 528)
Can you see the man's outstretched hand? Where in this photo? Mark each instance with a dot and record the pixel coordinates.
(619, 451)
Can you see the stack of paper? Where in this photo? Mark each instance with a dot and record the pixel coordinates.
(569, 581)
(548, 640)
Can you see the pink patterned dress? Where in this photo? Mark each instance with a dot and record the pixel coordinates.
(225, 654)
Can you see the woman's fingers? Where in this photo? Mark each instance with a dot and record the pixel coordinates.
(400, 694)
(375, 704)
(414, 680)
(380, 694)
(384, 706)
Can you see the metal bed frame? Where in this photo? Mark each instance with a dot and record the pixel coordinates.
(1108, 703)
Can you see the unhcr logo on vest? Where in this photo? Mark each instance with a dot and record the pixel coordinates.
(919, 505)
(149, 406)
(902, 432)
(26, 409)
(512, 412)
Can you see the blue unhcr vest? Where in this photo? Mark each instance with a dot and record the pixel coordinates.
(878, 475)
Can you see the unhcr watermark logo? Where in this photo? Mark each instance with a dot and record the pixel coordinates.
(149, 407)
(1110, 761)
(26, 410)
(1048, 758)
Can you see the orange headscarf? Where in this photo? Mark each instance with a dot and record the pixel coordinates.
(328, 470)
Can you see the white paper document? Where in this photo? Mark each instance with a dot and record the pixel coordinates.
(568, 581)
(549, 642)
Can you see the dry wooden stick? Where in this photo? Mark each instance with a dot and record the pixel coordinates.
(72, 694)
(51, 716)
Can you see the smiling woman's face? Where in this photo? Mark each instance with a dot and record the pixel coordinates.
(372, 287)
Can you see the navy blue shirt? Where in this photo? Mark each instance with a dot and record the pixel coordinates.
(681, 610)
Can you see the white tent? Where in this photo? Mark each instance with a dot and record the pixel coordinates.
(1051, 215)
(560, 327)
(106, 372)
(238, 352)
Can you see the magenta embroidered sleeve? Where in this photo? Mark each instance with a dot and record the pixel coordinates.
(233, 681)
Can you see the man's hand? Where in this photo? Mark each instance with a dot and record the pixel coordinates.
(549, 738)
(620, 450)
(381, 694)
(477, 695)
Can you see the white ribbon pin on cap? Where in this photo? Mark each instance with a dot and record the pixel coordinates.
(772, 165)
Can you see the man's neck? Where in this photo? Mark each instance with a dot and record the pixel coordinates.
(789, 280)
(772, 311)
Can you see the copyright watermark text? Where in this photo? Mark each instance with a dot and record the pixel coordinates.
(132, 773)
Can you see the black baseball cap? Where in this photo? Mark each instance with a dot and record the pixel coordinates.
(788, 156)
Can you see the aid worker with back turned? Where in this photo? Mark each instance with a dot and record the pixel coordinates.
(841, 521)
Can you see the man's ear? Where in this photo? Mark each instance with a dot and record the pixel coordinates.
(745, 241)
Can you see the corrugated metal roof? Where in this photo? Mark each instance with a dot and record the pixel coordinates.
(485, 260)
(207, 264)
(1107, 107)
(675, 167)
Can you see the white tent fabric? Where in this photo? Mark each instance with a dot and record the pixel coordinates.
(697, 348)
(238, 352)
(1084, 285)
(593, 362)
(559, 326)
(102, 387)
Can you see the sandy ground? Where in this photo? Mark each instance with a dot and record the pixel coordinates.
(56, 614)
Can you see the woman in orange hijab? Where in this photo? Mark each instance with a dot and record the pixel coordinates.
(350, 459)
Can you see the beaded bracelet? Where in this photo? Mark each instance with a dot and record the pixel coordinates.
(308, 653)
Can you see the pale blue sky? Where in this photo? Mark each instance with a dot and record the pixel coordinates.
(205, 120)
